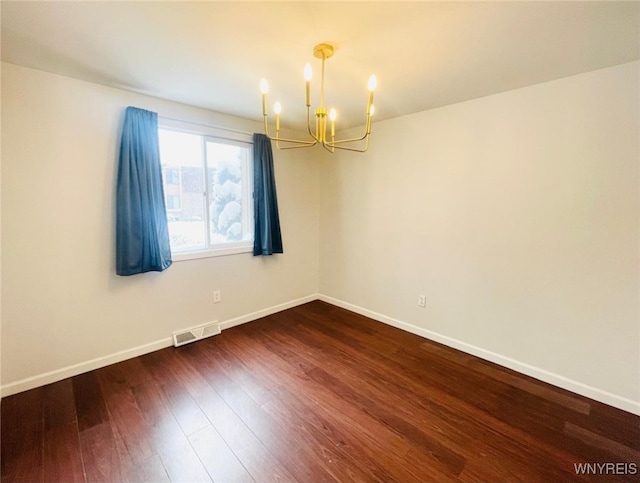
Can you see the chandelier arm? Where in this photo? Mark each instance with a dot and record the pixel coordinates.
(303, 144)
(367, 133)
(296, 141)
(277, 139)
(351, 140)
(345, 141)
(328, 148)
(300, 146)
(344, 148)
(357, 150)
(336, 145)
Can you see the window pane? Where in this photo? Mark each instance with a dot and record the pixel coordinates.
(225, 165)
(182, 163)
(173, 202)
(172, 176)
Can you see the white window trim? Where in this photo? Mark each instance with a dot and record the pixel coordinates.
(208, 132)
(229, 249)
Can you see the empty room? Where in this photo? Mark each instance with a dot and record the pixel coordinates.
(320, 241)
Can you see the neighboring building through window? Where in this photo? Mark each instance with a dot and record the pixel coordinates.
(172, 176)
(173, 202)
(208, 193)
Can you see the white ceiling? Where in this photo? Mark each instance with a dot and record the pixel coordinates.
(425, 54)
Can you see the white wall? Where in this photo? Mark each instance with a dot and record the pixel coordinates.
(62, 303)
(517, 215)
(0, 239)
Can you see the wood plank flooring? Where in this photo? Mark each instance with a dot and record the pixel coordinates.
(312, 394)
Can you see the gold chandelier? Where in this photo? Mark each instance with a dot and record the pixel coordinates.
(319, 133)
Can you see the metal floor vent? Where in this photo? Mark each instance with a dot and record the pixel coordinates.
(193, 334)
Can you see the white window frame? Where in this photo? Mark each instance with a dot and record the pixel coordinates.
(213, 134)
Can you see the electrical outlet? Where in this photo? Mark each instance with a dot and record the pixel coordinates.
(216, 297)
(422, 300)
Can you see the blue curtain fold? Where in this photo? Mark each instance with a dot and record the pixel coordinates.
(142, 234)
(267, 237)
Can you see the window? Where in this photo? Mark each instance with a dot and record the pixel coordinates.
(172, 176)
(173, 202)
(207, 184)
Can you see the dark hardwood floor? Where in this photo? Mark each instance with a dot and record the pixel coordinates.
(312, 394)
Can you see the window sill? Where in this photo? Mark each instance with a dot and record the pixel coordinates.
(218, 252)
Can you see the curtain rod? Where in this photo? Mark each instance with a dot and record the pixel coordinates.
(237, 131)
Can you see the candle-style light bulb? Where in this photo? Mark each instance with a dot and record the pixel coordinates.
(307, 84)
(332, 118)
(277, 108)
(373, 82)
(264, 86)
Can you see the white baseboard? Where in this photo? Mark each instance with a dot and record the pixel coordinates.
(265, 312)
(75, 369)
(527, 369)
(97, 363)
